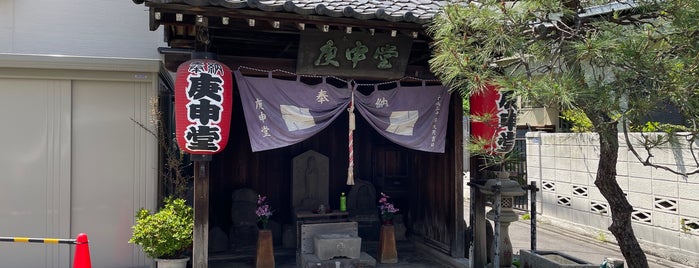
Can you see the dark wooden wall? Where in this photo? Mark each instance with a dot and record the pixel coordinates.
(270, 172)
(437, 213)
(421, 184)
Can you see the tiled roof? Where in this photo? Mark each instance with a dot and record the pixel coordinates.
(416, 11)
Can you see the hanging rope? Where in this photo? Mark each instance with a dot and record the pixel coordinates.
(352, 126)
(350, 109)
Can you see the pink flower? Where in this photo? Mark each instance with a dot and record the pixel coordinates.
(263, 211)
(261, 199)
(388, 210)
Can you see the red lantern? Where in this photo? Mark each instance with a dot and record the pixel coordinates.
(203, 103)
(493, 118)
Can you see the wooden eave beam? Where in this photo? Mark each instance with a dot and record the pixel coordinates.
(283, 17)
(172, 61)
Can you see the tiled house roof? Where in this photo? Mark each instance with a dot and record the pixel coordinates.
(415, 11)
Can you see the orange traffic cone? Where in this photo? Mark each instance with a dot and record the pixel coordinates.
(82, 252)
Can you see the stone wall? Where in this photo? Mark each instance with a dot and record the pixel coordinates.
(666, 206)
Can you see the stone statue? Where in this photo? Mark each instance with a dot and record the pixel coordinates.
(310, 177)
(363, 208)
(310, 180)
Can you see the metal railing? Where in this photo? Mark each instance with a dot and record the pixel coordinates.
(38, 240)
(81, 259)
(518, 172)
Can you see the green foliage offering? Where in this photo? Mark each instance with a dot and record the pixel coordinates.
(526, 216)
(166, 233)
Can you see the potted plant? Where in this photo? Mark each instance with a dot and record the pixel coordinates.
(387, 252)
(265, 244)
(264, 211)
(388, 210)
(166, 234)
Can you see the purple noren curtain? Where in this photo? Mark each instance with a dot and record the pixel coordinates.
(280, 112)
(413, 117)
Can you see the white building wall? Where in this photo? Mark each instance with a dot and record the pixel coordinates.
(666, 205)
(73, 75)
(101, 28)
(73, 159)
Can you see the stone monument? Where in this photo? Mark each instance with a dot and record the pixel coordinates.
(363, 208)
(310, 181)
(243, 230)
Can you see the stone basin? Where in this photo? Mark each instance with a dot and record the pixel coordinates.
(328, 246)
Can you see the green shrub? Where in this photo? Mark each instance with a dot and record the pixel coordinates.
(166, 233)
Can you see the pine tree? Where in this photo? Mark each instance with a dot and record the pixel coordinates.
(615, 61)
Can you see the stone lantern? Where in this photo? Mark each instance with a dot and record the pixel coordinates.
(502, 215)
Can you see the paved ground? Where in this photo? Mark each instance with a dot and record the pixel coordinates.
(590, 249)
(549, 237)
(408, 257)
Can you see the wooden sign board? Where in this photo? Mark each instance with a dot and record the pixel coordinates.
(353, 55)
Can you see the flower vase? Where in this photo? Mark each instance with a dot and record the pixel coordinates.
(265, 250)
(387, 244)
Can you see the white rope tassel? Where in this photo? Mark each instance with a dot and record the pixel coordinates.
(350, 168)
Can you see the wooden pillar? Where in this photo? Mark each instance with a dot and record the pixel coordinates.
(200, 247)
(480, 253)
(458, 247)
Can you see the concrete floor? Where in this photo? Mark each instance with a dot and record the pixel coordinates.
(408, 257)
(591, 249)
(551, 237)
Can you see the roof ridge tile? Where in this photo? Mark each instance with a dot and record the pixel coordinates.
(414, 11)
